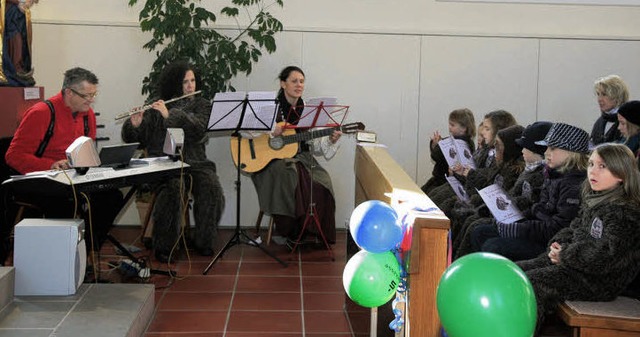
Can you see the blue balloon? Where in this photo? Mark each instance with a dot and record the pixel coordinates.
(375, 226)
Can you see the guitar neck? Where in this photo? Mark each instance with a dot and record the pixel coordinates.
(308, 135)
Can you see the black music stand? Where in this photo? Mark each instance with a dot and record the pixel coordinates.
(239, 111)
(313, 115)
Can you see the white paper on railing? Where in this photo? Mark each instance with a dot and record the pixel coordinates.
(500, 204)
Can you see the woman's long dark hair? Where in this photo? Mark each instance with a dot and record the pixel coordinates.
(170, 82)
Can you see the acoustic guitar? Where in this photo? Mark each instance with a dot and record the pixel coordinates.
(256, 153)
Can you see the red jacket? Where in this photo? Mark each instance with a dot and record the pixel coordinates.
(33, 126)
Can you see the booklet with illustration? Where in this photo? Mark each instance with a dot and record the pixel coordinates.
(458, 189)
(456, 151)
(500, 204)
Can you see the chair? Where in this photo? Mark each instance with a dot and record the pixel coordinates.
(13, 208)
(270, 228)
(147, 222)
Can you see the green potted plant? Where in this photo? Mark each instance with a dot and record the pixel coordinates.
(183, 30)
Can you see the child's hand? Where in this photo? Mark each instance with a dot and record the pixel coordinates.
(554, 253)
(461, 170)
(436, 137)
(457, 169)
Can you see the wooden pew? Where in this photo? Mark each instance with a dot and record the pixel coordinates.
(587, 325)
(379, 177)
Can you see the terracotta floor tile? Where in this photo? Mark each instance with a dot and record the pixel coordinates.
(206, 283)
(256, 284)
(326, 321)
(265, 321)
(188, 321)
(195, 301)
(182, 334)
(221, 267)
(266, 301)
(264, 334)
(324, 301)
(323, 284)
(322, 269)
(267, 268)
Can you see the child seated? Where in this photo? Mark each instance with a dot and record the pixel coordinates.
(524, 193)
(461, 126)
(597, 256)
(567, 157)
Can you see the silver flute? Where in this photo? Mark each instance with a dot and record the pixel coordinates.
(148, 106)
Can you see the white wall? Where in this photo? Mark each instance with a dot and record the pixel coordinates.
(400, 65)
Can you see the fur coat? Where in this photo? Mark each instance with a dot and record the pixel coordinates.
(600, 256)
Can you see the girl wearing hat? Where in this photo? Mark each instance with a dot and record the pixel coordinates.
(629, 124)
(596, 257)
(566, 157)
(462, 125)
(524, 193)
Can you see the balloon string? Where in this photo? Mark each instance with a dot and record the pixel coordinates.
(398, 322)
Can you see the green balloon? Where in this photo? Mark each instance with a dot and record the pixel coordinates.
(371, 279)
(486, 295)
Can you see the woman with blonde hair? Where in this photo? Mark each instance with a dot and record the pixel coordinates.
(611, 92)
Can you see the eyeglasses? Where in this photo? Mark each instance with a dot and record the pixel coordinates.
(84, 96)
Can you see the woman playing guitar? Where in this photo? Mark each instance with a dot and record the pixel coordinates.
(284, 185)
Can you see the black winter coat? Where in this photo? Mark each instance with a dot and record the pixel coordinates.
(598, 136)
(558, 205)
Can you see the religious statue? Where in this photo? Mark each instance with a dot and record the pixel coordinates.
(16, 69)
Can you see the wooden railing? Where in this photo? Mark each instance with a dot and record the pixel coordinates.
(379, 177)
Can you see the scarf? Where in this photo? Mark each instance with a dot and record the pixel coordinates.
(533, 166)
(594, 198)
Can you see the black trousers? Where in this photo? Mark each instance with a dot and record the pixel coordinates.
(98, 213)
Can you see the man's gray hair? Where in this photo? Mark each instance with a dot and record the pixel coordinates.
(76, 76)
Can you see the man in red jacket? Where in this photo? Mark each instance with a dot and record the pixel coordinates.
(74, 117)
(45, 132)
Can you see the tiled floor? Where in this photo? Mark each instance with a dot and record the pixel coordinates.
(246, 293)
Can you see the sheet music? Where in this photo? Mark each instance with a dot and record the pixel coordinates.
(226, 110)
(500, 204)
(310, 110)
(261, 112)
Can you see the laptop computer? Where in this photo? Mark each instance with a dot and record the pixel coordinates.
(117, 156)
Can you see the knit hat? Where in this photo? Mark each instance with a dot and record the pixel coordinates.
(631, 112)
(533, 133)
(566, 137)
(508, 136)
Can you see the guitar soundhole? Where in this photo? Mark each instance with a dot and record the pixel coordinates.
(276, 143)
